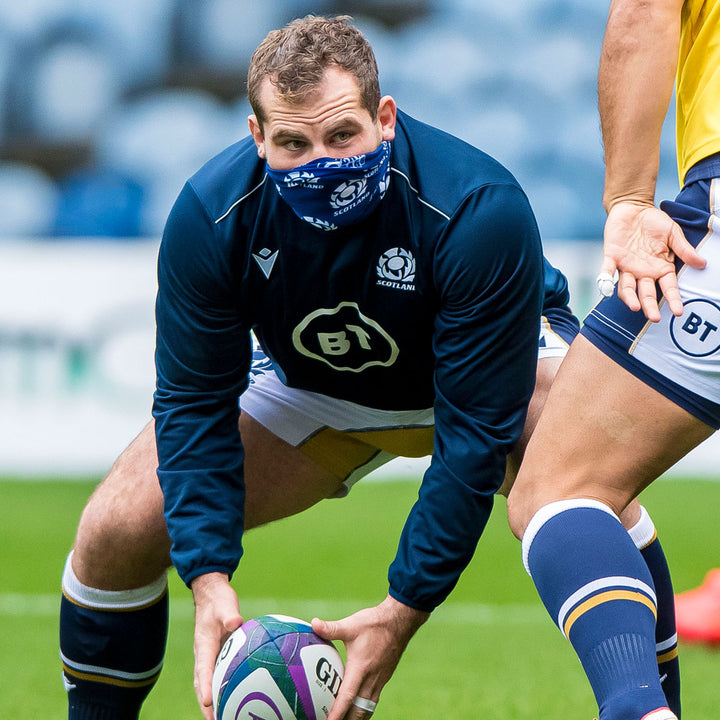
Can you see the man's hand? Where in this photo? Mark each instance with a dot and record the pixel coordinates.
(374, 638)
(216, 616)
(641, 242)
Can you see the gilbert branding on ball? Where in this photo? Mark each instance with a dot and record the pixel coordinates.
(275, 667)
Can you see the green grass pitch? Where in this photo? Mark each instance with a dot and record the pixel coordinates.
(489, 651)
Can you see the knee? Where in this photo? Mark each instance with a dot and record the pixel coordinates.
(122, 538)
(116, 548)
(531, 490)
(516, 516)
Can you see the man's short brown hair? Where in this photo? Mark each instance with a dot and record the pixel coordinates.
(295, 58)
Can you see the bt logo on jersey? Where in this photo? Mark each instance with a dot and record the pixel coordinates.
(345, 339)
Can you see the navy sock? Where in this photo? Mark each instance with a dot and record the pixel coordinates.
(645, 538)
(112, 646)
(597, 587)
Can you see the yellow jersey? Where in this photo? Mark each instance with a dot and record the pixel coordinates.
(698, 84)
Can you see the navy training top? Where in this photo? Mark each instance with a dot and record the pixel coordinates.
(433, 300)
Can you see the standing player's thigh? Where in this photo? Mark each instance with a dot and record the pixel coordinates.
(603, 434)
(280, 480)
(546, 370)
(558, 328)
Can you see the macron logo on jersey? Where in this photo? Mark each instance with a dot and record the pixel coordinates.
(265, 260)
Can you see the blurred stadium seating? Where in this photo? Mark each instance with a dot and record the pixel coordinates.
(106, 107)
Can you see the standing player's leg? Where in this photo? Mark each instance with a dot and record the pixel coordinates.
(603, 436)
(114, 612)
(642, 530)
(644, 535)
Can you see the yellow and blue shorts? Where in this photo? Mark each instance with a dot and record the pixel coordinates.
(678, 356)
(352, 440)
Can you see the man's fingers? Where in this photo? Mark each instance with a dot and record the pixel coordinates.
(608, 268)
(231, 625)
(207, 712)
(204, 664)
(205, 657)
(669, 287)
(605, 284)
(204, 694)
(684, 250)
(647, 294)
(352, 703)
(327, 629)
(343, 702)
(216, 616)
(626, 288)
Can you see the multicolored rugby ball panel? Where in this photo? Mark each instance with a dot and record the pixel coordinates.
(274, 667)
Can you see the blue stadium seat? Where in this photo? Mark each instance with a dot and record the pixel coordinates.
(28, 201)
(516, 79)
(72, 85)
(140, 35)
(163, 131)
(160, 140)
(222, 34)
(75, 63)
(6, 55)
(442, 57)
(26, 20)
(99, 203)
(562, 64)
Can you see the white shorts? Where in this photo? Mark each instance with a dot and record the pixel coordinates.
(678, 356)
(349, 439)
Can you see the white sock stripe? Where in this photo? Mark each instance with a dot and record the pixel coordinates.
(643, 532)
(593, 587)
(660, 714)
(667, 644)
(108, 672)
(546, 512)
(110, 599)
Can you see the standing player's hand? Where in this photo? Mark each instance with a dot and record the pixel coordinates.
(216, 616)
(641, 243)
(374, 638)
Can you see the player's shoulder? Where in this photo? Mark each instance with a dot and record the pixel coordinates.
(234, 174)
(442, 168)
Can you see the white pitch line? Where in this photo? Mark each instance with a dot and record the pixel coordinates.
(40, 605)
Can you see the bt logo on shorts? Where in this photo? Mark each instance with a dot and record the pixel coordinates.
(345, 339)
(697, 331)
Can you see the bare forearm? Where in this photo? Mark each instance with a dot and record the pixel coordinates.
(635, 82)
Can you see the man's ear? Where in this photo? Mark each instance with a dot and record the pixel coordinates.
(387, 117)
(256, 132)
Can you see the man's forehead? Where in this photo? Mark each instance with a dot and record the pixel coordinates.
(337, 89)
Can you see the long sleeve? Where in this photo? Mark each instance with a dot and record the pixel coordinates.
(485, 345)
(202, 359)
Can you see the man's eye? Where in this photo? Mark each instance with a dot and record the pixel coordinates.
(294, 145)
(342, 136)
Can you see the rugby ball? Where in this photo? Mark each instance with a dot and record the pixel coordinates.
(274, 667)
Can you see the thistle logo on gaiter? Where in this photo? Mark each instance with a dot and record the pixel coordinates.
(348, 193)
